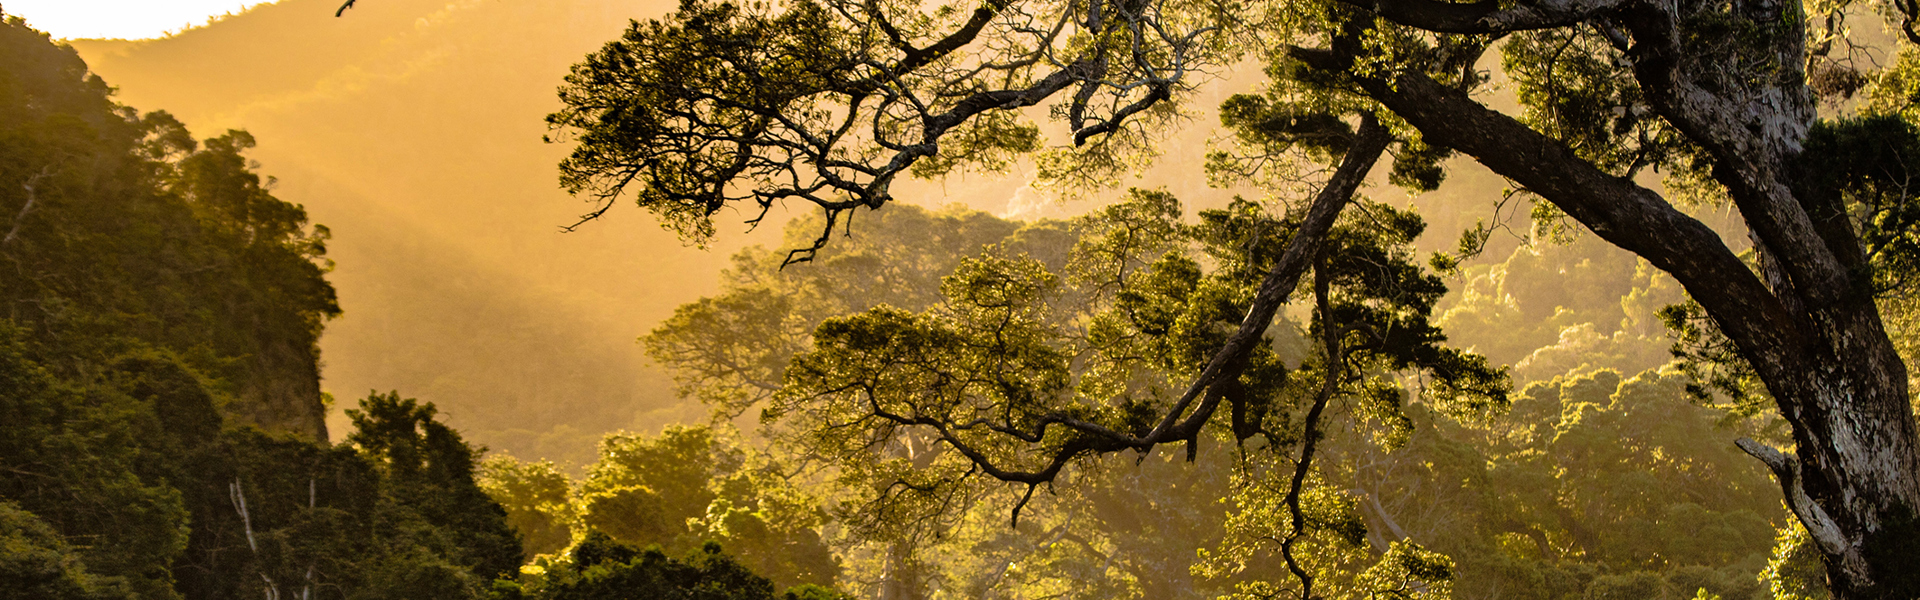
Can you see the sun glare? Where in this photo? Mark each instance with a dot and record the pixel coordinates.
(124, 19)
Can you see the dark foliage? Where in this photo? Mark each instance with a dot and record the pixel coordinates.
(159, 386)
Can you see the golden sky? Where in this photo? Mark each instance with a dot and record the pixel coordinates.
(126, 19)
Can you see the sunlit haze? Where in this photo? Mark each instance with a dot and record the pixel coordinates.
(929, 299)
(123, 19)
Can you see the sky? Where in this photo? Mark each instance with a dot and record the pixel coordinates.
(126, 19)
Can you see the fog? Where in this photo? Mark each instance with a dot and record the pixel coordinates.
(413, 129)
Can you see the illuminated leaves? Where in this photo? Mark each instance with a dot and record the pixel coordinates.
(830, 101)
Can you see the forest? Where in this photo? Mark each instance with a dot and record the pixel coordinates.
(1541, 299)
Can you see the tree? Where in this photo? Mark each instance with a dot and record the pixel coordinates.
(684, 488)
(602, 568)
(1121, 535)
(1546, 499)
(535, 498)
(395, 513)
(36, 562)
(427, 473)
(829, 101)
(1116, 305)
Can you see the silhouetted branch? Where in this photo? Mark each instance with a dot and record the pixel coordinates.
(1333, 369)
(721, 105)
(1281, 280)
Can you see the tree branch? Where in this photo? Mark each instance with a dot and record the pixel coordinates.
(1282, 279)
(1629, 216)
(1370, 141)
(1332, 369)
(1486, 16)
(1820, 526)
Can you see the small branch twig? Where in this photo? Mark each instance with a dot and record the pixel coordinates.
(1332, 370)
(33, 196)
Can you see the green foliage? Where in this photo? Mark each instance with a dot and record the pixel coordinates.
(1020, 372)
(36, 562)
(1549, 309)
(1256, 119)
(772, 526)
(1417, 167)
(1616, 441)
(1589, 486)
(1859, 167)
(428, 474)
(730, 350)
(644, 490)
(989, 143)
(159, 377)
(1576, 88)
(684, 488)
(603, 568)
(125, 233)
(829, 102)
(939, 397)
(204, 511)
(390, 516)
(1614, 486)
(535, 498)
(644, 107)
(84, 459)
(1796, 570)
(1895, 90)
(1300, 116)
(1548, 499)
(1011, 279)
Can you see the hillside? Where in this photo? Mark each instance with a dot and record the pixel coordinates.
(413, 132)
(413, 129)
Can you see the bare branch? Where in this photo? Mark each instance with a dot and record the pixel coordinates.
(1820, 526)
(32, 197)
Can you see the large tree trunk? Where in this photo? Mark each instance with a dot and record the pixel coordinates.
(1807, 324)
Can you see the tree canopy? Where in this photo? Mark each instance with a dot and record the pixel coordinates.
(829, 101)
(1548, 492)
(159, 379)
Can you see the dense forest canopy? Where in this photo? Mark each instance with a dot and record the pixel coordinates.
(411, 132)
(1585, 483)
(1286, 396)
(159, 379)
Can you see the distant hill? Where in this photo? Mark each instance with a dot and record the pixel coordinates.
(413, 129)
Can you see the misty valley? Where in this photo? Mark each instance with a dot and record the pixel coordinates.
(1008, 299)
